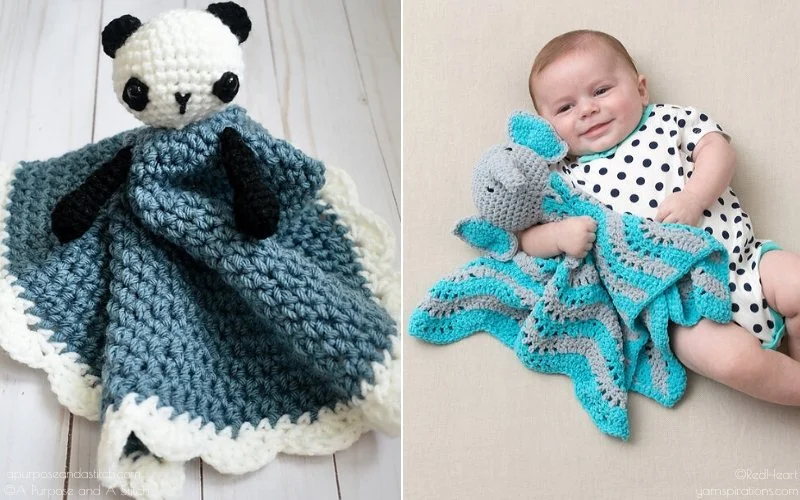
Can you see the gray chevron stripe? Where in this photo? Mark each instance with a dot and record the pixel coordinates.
(684, 288)
(527, 296)
(584, 346)
(584, 275)
(438, 308)
(610, 390)
(629, 334)
(614, 283)
(675, 237)
(616, 233)
(709, 283)
(599, 311)
(527, 265)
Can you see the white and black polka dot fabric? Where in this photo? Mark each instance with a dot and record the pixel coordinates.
(655, 161)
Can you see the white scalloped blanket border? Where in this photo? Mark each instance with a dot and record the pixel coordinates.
(74, 387)
(177, 439)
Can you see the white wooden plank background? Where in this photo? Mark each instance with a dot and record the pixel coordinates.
(324, 74)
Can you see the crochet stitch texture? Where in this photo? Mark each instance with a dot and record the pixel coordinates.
(251, 346)
(200, 287)
(602, 320)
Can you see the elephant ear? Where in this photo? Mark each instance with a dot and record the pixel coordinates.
(485, 236)
(536, 133)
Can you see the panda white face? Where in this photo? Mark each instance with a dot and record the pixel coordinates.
(180, 67)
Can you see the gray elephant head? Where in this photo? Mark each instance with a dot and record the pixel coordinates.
(508, 184)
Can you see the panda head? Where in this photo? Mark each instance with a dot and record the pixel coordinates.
(180, 67)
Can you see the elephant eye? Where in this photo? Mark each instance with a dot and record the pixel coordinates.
(491, 190)
(509, 149)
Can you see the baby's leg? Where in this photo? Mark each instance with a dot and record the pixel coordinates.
(732, 356)
(780, 280)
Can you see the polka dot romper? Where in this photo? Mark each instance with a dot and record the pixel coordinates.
(656, 160)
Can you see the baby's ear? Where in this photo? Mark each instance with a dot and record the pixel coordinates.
(536, 133)
(485, 236)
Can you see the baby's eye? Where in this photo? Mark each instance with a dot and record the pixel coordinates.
(601, 91)
(563, 108)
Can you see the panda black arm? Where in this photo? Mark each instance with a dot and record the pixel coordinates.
(75, 213)
(255, 207)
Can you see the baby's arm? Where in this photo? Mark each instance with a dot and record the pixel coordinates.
(714, 165)
(573, 236)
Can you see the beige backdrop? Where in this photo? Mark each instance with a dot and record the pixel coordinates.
(477, 423)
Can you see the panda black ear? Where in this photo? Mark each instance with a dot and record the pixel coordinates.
(234, 17)
(117, 31)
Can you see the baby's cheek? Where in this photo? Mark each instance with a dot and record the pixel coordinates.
(573, 144)
(566, 133)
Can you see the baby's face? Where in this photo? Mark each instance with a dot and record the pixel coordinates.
(592, 98)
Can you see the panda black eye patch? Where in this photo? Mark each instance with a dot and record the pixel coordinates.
(226, 87)
(135, 94)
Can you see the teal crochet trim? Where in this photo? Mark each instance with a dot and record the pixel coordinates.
(780, 323)
(602, 320)
(164, 297)
(608, 152)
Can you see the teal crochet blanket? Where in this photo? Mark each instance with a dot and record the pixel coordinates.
(602, 320)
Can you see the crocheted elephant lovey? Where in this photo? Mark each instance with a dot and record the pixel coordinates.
(509, 183)
(601, 320)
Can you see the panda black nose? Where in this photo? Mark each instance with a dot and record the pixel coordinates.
(182, 100)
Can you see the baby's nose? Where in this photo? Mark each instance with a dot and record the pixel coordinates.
(182, 100)
(590, 108)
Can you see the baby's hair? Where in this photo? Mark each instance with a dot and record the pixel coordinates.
(567, 42)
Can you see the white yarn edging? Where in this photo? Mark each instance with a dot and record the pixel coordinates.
(374, 243)
(176, 440)
(74, 387)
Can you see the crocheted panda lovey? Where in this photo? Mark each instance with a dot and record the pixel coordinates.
(178, 69)
(199, 286)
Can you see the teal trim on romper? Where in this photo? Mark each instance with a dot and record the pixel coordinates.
(780, 324)
(609, 151)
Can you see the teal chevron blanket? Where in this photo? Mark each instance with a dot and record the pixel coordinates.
(602, 320)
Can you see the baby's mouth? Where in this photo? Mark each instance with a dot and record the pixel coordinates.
(597, 128)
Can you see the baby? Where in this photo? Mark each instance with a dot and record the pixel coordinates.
(670, 164)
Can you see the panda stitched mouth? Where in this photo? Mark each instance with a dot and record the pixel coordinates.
(182, 100)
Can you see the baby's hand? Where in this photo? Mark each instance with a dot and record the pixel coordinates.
(576, 235)
(681, 207)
